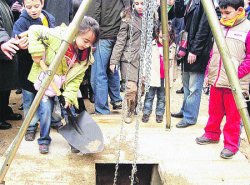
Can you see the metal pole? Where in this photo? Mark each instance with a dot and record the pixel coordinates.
(228, 64)
(164, 23)
(69, 36)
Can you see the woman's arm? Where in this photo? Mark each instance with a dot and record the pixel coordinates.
(244, 67)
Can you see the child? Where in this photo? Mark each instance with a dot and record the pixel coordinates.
(78, 57)
(121, 54)
(157, 76)
(32, 14)
(236, 29)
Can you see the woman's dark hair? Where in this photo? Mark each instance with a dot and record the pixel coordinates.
(22, 1)
(171, 32)
(90, 24)
(233, 3)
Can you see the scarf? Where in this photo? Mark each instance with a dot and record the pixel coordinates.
(73, 57)
(169, 7)
(231, 22)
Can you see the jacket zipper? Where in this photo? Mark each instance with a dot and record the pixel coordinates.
(218, 75)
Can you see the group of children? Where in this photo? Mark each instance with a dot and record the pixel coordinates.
(43, 42)
(236, 28)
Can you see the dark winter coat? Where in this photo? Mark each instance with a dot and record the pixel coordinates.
(24, 58)
(107, 14)
(199, 35)
(60, 9)
(122, 51)
(16, 14)
(8, 68)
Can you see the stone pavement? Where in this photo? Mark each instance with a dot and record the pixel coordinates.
(180, 160)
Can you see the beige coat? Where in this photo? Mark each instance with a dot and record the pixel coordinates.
(122, 53)
(155, 78)
(235, 39)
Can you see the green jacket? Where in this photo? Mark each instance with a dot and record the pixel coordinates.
(52, 38)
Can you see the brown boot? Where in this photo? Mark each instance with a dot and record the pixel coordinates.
(131, 111)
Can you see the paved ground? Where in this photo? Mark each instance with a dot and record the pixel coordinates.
(180, 160)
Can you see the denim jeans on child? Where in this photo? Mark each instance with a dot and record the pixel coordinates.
(104, 83)
(192, 85)
(160, 104)
(45, 109)
(28, 98)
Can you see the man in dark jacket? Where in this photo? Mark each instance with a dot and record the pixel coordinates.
(196, 59)
(103, 82)
(8, 67)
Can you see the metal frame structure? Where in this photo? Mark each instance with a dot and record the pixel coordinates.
(69, 36)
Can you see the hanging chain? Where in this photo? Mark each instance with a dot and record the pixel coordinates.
(145, 66)
(148, 54)
(138, 107)
(124, 103)
(147, 24)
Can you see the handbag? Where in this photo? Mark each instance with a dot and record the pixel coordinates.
(58, 81)
(182, 45)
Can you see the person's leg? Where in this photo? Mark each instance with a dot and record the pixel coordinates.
(160, 105)
(193, 98)
(216, 113)
(99, 78)
(45, 111)
(130, 97)
(28, 98)
(4, 101)
(114, 87)
(185, 80)
(56, 115)
(3, 107)
(231, 130)
(8, 112)
(91, 94)
(181, 90)
(148, 102)
(114, 84)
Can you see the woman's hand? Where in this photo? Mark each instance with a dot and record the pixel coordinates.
(112, 68)
(191, 58)
(9, 48)
(67, 105)
(23, 43)
(16, 7)
(37, 59)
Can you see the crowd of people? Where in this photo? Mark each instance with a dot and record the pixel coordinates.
(101, 60)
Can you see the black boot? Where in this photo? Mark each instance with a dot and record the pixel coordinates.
(180, 91)
(4, 125)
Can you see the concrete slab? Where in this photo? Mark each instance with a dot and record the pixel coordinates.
(180, 159)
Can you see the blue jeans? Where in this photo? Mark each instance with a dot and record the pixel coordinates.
(104, 83)
(192, 85)
(28, 98)
(45, 109)
(149, 98)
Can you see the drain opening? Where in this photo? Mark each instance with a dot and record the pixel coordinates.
(147, 174)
